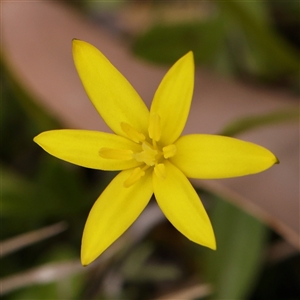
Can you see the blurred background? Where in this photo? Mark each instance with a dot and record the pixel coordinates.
(247, 85)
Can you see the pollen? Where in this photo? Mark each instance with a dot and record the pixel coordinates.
(148, 155)
(154, 127)
(134, 177)
(169, 151)
(151, 155)
(132, 133)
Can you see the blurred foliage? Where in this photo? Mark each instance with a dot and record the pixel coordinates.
(254, 122)
(38, 190)
(239, 38)
(241, 242)
(165, 43)
(253, 40)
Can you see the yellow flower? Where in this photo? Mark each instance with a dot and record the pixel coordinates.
(148, 150)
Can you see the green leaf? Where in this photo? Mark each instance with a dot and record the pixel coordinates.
(233, 267)
(166, 43)
(272, 55)
(20, 203)
(56, 192)
(252, 122)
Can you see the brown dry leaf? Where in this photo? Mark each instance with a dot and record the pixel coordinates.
(36, 40)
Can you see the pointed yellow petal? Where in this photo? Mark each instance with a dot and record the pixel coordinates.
(212, 156)
(114, 211)
(173, 98)
(83, 148)
(181, 205)
(110, 92)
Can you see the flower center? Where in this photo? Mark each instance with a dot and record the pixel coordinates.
(152, 154)
(149, 155)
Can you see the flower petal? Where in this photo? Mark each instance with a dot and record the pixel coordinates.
(212, 156)
(110, 92)
(173, 98)
(181, 205)
(82, 147)
(114, 211)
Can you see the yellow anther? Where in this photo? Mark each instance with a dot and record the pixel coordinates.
(154, 127)
(169, 151)
(132, 133)
(148, 155)
(119, 154)
(160, 171)
(134, 177)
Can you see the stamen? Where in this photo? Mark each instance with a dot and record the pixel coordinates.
(148, 155)
(134, 177)
(132, 133)
(154, 127)
(160, 171)
(169, 151)
(119, 154)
